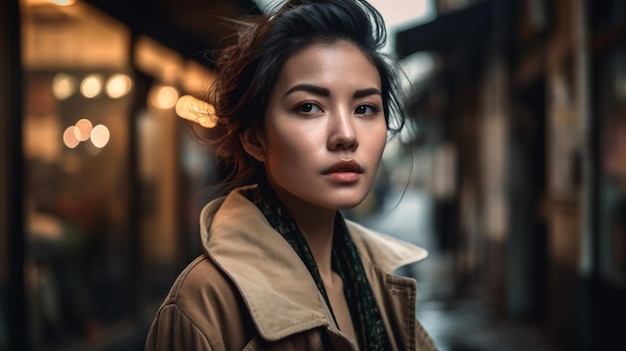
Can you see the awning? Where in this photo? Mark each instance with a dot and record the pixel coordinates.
(188, 27)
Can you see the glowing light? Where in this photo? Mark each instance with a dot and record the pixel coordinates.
(100, 136)
(118, 85)
(163, 97)
(71, 137)
(91, 86)
(63, 86)
(63, 2)
(192, 109)
(84, 127)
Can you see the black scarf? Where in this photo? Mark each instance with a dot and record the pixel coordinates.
(368, 324)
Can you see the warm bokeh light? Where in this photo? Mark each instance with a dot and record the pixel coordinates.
(83, 130)
(91, 86)
(118, 85)
(63, 86)
(100, 136)
(163, 97)
(63, 2)
(195, 110)
(71, 137)
(47, 2)
(84, 127)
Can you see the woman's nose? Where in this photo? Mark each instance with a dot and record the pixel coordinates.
(343, 134)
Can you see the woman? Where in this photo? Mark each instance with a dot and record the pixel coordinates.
(303, 102)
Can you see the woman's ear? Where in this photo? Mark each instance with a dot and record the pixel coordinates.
(253, 144)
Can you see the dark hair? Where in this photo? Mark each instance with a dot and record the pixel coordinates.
(248, 70)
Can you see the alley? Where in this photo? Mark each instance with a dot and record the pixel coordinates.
(458, 318)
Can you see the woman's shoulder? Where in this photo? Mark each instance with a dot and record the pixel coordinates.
(202, 280)
(204, 306)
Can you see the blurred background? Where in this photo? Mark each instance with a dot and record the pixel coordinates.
(514, 178)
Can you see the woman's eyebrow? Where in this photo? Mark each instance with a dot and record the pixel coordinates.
(366, 92)
(317, 90)
(313, 89)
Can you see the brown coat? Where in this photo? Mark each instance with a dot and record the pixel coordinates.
(251, 291)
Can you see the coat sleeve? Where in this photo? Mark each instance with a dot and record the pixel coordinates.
(203, 311)
(173, 330)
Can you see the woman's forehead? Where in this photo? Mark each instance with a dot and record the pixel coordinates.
(329, 65)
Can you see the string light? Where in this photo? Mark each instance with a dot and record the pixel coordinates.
(163, 97)
(118, 85)
(91, 86)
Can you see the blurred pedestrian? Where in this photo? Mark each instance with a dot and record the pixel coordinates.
(303, 104)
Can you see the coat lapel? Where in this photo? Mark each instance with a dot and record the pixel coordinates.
(277, 287)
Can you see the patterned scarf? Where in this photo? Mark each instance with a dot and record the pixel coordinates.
(368, 324)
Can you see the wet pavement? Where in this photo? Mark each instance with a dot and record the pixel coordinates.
(457, 320)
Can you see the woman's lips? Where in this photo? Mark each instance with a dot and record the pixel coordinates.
(344, 171)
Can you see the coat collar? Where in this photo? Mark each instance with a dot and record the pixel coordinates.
(274, 283)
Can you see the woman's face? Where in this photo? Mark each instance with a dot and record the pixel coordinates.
(325, 129)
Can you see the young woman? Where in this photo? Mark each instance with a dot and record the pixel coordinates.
(304, 103)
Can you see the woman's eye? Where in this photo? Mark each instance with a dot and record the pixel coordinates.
(309, 107)
(366, 110)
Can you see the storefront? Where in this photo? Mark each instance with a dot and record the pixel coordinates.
(109, 179)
